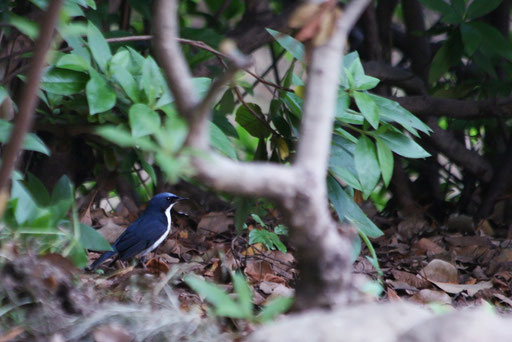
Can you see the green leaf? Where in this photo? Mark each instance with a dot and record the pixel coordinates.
(258, 220)
(346, 208)
(448, 55)
(3, 94)
(100, 96)
(127, 82)
(471, 38)
(253, 125)
(367, 165)
(367, 107)
(143, 120)
(359, 79)
(478, 8)
(222, 302)
(293, 46)
(38, 190)
(32, 142)
(243, 207)
(493, 43)
(281, 229)
(91, 239)
(452, 13)
(24, 25)
(220, 141)
(63, 82)
(78, 255)
(386, 161)
(62, 198)
(403, 145)
(122, 137)
(73, 62)
(274, 308)
(269, 239)
(346, 176)
(99, 46)
(25, 208)
(390, 111)
(244, 294)
(150, 79)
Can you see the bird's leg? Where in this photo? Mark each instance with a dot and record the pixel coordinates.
(142, 260)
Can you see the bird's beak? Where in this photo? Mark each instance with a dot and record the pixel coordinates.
(181, 199)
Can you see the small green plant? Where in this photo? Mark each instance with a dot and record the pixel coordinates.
(41, 220)
(242, 307)
(266, 236)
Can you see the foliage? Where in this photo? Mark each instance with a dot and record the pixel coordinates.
(241, 308)
(268, 238)
(37, 217)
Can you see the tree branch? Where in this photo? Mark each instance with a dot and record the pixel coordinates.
(300, 189)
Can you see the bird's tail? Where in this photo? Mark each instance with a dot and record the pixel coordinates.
(100, 260)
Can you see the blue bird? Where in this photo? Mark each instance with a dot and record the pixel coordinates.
(145, 234)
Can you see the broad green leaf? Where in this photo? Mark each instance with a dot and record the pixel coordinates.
(37, 190)
(62, 198)
(91, 239)
(220, 141)
(150, 80)
(32, 142)
(122, 137)
(367, 165)
(244, 294)
(449, 54)
(293, 46)
(73, 62)
(390, 111)
(223, 304)
(452, 13)
(346, 176)
(493, 42)
(359, 79)
(63, 82)
(386, 161)
(24, 25)
(172, 136)
(274, 308)
(78, 255)
(253, 125)
(143, 120)
(25, 208)
(294, 103)
(99, 46)
(121, 59)
(403, 145)
(100, 95)
(367, 107)
(478, 8)
(127, 82)
(471, 38)
(346, 208)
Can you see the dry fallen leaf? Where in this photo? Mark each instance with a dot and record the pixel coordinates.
(427, 296)
(440, 271)
(216, 222)
(471, 289)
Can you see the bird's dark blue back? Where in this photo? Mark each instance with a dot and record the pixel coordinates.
(141, 234)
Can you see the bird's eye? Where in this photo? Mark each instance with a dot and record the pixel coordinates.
(169, 198)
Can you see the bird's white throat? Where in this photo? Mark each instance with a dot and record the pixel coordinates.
(164, 235)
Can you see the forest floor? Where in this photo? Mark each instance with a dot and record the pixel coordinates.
(450, 264)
